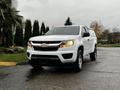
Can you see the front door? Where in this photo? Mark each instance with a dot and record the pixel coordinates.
(86, 41)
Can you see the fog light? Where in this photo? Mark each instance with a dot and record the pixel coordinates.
(67, 56)
(28, 54)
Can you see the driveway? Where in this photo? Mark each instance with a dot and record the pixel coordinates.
(104, 74)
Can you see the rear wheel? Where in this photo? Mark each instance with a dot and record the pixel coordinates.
(93, 56)
(79, 61)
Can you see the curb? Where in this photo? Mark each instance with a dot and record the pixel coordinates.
(7, 64)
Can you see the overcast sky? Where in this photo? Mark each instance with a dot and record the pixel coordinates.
(55, 12)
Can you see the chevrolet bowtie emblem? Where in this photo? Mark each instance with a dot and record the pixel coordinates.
(44, 45)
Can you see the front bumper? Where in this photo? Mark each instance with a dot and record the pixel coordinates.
(52, 57)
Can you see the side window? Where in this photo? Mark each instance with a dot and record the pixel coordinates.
(83, 31)
(87, 29)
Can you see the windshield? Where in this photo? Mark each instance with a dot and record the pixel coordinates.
(73, 30)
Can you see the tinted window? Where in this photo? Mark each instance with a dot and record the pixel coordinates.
(87, 29)
(73, 30)
(83, 31)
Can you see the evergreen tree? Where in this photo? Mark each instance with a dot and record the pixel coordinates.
(0, 37)
(9, 39)
(28, 31)
(18, 40)
(7, 36)
(68, 21)
(36, 28)
(47, 29)
(43, 29)
(9, 18)
(0, 32)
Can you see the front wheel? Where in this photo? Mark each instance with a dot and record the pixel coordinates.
(79, 61)
(35, 65)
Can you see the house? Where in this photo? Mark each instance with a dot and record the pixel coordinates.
(114, 37)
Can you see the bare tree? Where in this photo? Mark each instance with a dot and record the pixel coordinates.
(98, 28)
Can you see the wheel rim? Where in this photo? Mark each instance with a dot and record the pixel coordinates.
(80, 61)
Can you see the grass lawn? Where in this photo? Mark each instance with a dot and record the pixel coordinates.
(21, 57)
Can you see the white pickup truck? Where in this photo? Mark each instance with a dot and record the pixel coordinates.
(62, 46)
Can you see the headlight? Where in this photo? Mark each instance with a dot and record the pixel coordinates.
(29, 45)
(66, 44)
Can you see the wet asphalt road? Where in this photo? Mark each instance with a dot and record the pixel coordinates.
(104, 74)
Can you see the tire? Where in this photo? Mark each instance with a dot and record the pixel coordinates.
(34, 65)
(79, 61)
(93, 56)
(37, 67)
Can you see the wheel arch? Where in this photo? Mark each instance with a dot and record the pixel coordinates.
(81, 48)
(96, 45)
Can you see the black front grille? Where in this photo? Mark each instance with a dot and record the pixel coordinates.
(47, 42)
(49, 48)
(43, 57)
(45, 60)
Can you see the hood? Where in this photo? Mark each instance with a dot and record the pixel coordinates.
(53, 38)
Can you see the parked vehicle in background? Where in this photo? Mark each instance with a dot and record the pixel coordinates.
(62, 45)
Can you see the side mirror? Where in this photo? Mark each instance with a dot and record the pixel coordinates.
(86, 34)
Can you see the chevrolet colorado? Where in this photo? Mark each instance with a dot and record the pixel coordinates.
(62, 45)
